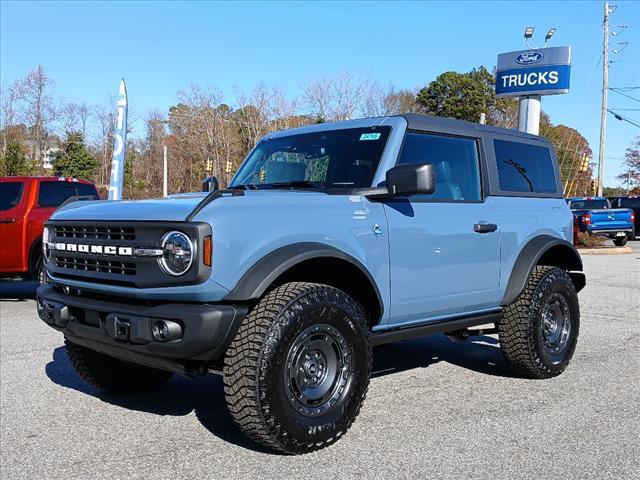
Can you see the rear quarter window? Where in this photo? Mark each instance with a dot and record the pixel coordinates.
(10, 194)
(53, 194)
(525, 168)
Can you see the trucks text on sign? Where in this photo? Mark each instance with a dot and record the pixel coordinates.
(545, 71)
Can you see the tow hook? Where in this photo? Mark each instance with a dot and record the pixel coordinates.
(54, 313)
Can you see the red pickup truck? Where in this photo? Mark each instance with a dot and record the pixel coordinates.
(25, 204)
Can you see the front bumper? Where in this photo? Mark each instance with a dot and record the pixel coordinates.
(125, 331)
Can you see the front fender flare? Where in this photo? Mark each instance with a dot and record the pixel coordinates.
(265, 271)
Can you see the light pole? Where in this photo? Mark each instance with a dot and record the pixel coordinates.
(529, 105)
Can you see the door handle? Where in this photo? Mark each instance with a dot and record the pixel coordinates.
(485, 227)
(7, 220)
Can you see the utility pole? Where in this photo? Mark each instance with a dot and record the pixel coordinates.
(165, 180)
(605, 90)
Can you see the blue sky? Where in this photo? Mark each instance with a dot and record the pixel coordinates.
(160, 47)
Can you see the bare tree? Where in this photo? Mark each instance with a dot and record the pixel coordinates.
(389, 101)
(35, 93)
(69, 117)
(341, 97)
(8, 100)
(103, 143)
(317, 97)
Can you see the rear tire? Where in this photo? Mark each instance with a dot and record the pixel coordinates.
(113, 375)
(297, 371)
(621, 241)
(539, 331)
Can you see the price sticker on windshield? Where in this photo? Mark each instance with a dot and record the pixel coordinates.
(370, 136)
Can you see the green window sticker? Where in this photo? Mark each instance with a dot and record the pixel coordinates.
(370, 136)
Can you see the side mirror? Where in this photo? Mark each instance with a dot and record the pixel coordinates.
(210, 184)
(411, 178)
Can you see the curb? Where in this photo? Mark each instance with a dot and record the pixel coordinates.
(605, 251)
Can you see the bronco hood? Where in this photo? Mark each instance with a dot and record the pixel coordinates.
(174, 208)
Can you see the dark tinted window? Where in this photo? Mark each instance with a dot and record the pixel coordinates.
(325, 159)
(629, 202)
(589, 204)
(525, 168)
(455, 160)
(53, 194)
(10, 194)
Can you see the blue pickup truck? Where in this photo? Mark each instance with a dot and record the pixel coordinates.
(596, 216)
(329, 240)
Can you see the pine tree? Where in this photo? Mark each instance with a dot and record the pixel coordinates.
(75, 160)
(14, 162)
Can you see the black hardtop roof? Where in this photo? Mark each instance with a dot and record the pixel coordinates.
(418, 121)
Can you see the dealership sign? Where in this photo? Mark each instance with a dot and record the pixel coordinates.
(543, 71)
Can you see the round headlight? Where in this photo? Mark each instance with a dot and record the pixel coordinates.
(46, 253)
(178, 253)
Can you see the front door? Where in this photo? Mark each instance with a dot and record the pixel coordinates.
(444, 247)
(12, 201)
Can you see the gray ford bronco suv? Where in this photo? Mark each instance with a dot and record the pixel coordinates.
(329, 240)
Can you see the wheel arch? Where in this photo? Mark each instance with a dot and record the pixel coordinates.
(311, 262)
(544, 250)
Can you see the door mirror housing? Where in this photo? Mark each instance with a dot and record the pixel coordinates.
(210, 184)
(411, 178)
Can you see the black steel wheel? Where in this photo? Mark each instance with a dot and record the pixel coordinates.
(318, 370)
(297, 371)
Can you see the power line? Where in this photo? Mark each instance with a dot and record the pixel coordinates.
(623, 119)
(624, 94)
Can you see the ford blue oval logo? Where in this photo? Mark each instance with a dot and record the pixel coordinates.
(528, 58)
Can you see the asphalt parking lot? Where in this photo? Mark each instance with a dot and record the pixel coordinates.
(435, 409)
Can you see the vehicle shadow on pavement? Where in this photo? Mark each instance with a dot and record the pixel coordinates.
(18, 290)
(205, 396)
(480, 354)
(180, 396)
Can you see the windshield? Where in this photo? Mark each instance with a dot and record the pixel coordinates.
(10, 194)
(329, 159)
(589, 204)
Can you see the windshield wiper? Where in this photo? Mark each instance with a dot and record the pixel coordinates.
(296, 184)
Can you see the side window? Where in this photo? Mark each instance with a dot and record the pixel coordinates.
(455, 160)
(524, 168)
(53, 194)
(10, 194)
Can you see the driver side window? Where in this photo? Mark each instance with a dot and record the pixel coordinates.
(455, 161)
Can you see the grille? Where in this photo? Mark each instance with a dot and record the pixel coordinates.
(91, 265)
(106, 233)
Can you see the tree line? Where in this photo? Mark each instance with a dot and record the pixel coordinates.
(208, 134)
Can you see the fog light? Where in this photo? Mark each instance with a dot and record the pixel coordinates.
(166, 331)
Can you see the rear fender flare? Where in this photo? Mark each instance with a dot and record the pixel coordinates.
(543, 250)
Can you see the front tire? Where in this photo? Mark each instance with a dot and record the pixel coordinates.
(539, 331)
(297, 371)
(113, 375)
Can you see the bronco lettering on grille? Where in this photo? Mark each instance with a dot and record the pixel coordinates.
(97, 249)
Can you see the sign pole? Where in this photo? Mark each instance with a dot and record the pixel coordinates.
(529, 114)
(165, 179)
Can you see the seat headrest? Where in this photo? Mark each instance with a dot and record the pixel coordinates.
(284, 171)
